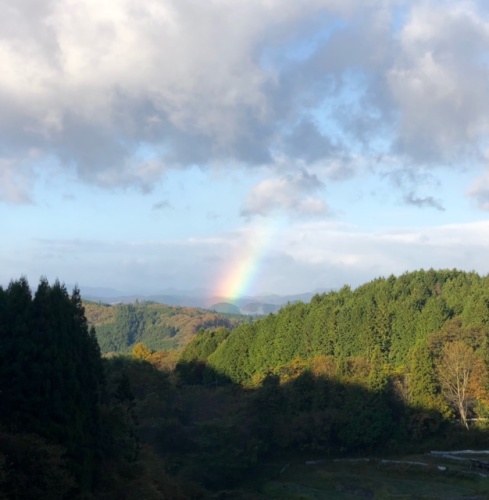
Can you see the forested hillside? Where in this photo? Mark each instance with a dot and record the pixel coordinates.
(160, 327)
(398, 365)
(407, 333)
(72, 424)
(387, 318)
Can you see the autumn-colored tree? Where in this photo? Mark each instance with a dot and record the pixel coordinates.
(457, 368)
(140, 351)
(164, 360)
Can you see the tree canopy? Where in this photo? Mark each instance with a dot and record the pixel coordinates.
(51, 371)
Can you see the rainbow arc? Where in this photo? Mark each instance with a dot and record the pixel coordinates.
(243, 269)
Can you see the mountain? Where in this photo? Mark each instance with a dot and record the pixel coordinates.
(159, 326)
(225, 307)
(391, 318)
(199, 298)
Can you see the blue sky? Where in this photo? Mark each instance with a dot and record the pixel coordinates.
(143, 146)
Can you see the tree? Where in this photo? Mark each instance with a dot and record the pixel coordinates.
(378, 375)
(456, 368)
(32, 467)
(140, 351)
(422, 380)
(51, 372)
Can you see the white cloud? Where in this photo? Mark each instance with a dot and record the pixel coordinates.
(243, 82)
(290, 194)
(341, 254)
(299, 257)
(124, 71)
(439, 81)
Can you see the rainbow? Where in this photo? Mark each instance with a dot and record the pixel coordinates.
(243, 267)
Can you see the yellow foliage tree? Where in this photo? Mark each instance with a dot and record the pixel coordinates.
(140, 351)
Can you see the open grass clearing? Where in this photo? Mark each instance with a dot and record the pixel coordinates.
(406, 477)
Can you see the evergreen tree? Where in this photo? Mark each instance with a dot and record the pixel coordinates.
(50, 372)
(422, 378)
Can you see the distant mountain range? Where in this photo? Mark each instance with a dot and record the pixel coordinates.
(252, 305)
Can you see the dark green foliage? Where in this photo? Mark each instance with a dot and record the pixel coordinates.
(194, 436)
(191, 365)
(365, 421)
(71, 427)
(354, 371)
(133, 324)
(422, 379)
(119, 420)
(268, 407)
(222, 454)
(388, 316)
(50, 372)
(204, 344)
(316, 414)
(31, 467)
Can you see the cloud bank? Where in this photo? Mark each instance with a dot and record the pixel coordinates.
(117, 92)
(305, 256)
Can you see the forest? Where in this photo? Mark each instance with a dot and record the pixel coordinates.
(398, 365)
(160, 327)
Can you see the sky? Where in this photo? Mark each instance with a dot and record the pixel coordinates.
(242, 147)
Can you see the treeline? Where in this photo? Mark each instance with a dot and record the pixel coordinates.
(51, 379)
(397, 365)
(409, 330)
(68, 420)
(389, 316)
(160, 327)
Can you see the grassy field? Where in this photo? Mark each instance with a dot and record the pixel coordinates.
(426, 477)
